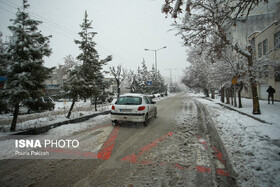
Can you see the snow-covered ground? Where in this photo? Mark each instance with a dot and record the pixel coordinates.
(84, 108)
(49, 117)
(59, 114)
(252, 146)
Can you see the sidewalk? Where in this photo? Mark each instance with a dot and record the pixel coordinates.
(252, 141)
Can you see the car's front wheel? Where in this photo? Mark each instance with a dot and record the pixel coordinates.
(51, 109)
(29, 111)
(115, 123)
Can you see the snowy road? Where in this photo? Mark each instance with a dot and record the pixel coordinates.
(179, 148)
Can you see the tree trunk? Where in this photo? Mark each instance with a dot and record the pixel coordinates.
(234, 95)
(227, 96)
(231, 96)
(95, 103)
(15, 116)
(239, 95)
(71, 108)
(256, 105)
(118, 89)
(206, 92)
(223, 94)
(212, 93)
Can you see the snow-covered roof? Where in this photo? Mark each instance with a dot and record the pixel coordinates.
(259, 32)
(253, 33)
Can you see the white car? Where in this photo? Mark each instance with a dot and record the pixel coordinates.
(134, 108)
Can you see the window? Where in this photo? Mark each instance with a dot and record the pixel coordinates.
(146, 100)
(151, 101)
(129, 100)
(277, 73)
(277, 40)
(265, 47)
(259, 49)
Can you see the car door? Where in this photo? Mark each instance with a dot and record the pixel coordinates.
(150, 106)
(147, 102)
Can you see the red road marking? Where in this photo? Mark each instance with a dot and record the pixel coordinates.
(222, 172)
(202, 169)
(218, 154)
(107, 148)
(132, 158)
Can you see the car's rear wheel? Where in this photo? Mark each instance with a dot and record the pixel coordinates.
(145, 123)
(155, 114)
(115, 123)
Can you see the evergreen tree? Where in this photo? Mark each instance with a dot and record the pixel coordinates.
(25, 53)
(86, 77)
(141, 78)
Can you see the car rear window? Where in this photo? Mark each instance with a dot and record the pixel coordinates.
(129, 101)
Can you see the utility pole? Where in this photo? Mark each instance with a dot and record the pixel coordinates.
(155, 50)
(170, 77)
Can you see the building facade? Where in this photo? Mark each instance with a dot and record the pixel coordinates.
(266, 45)
(54, 84)
(261, 30)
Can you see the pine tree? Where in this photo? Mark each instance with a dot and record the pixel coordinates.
(25, 53)
(139, 83)
(86, 78)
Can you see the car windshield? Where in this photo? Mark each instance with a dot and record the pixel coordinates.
(129, 100)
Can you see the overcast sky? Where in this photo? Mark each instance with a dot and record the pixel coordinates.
(125, 28)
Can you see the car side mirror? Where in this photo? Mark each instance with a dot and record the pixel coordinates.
(153, 102)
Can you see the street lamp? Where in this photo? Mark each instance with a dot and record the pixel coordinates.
(155, 50)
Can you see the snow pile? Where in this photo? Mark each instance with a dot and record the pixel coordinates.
(52, 134)
(50, 117)
(252, 146)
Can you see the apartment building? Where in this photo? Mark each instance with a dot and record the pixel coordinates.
(266, 45)
(261, 30)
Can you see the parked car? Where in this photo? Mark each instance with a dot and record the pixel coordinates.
(37, 105)
(133, 108)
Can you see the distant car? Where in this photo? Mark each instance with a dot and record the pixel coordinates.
(133, 108)
(37, 105)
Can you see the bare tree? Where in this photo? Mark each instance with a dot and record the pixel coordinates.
(206, 20)
(69, 63)
(120, 74)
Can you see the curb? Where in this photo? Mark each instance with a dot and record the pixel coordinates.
(217, 142)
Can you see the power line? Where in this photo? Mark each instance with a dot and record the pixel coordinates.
(66, 32)
(7, 10)
(47, 21)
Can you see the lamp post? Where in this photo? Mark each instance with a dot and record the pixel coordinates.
(155, 50)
